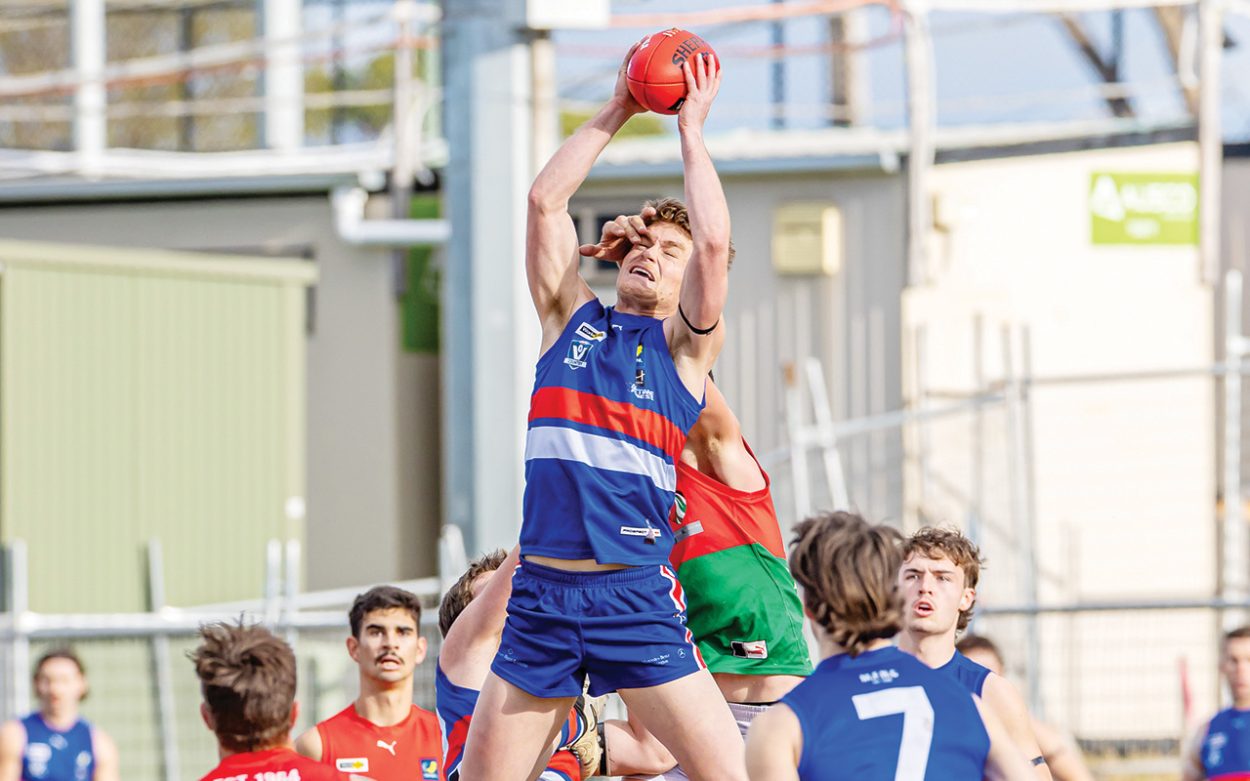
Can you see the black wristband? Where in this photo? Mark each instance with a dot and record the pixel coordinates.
(699, 331)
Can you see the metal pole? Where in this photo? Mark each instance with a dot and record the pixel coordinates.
(798, 450)
(921, 121)
(20, 590)
(1016, 459)
(404, 169)
(273, 581)
(87, 31)
(165, 707)
(491, 337)
(290, 591)
(1210, 137)
(1029, 485)
(282, 22)
(1233, 585)
(778, 69)
(834, 474)
(976, 492)
(920, 429)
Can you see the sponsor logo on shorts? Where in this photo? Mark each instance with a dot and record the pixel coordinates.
(879, 676)
(510, 656)
(352, 765)
(588, 331)
(750, 649)
(662, 659)
(649, 532)
(429, 769)
(688, 530)
(578, 350)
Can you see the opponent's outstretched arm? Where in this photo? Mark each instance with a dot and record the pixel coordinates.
(694, 338)
(472, 640)
(551, 257)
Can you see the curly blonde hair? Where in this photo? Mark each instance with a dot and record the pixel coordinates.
(674, 212)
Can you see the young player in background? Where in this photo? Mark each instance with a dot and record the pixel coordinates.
(382, 734)
(1221, 750)
(1063, 756)
(247, 679)
(938, 578)
(55, 743)
(869, 712)
(471, 619)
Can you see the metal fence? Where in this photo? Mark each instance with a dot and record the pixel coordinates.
(1109, 506)
(143, 690)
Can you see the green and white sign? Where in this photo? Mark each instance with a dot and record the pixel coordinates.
(1143, 208)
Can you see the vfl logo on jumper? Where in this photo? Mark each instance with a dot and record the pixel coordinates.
(879, 676)
(749, 649)
(588, 331)
(429, 769)
(1215, 748)
(639, 388)
(578, 350)
(352, 765)
(388, 746)
(649, 533)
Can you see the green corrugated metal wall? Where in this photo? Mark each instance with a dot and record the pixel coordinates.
(148, 394)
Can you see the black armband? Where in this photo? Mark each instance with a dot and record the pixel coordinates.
(699, 331)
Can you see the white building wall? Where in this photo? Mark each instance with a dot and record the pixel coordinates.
(1124, 472)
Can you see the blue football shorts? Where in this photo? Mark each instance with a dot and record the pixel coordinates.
(624, 628)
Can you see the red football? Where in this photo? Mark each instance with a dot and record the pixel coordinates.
(654, 73)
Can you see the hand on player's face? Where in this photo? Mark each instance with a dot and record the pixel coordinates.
(703, 74)
(621, 235)
(621, 93)
(933, 594)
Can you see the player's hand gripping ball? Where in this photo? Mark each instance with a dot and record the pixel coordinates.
(654, 73)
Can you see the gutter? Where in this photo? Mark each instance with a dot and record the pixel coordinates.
(353, 228)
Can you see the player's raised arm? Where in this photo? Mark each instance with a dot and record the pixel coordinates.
(472, 640)
(693, 335)
(551, 257)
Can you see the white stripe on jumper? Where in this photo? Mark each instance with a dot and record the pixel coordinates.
(600, 452)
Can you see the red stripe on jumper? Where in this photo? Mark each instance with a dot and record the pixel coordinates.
(586, 408)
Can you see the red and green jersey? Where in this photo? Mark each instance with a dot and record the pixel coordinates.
(741, 603)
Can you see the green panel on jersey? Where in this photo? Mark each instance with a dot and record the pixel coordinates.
(743, 598)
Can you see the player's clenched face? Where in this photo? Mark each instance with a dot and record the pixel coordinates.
(388, 648)
(933, 594)
(1235, 664)
(650, 275)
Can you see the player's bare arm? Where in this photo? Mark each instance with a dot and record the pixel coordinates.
(1004, 700)
(309, 744)
(1005, 762)
(774, 746)
(107, 763)
(1191, 767)
(551, 248)
(12, 744)
(473, 640)
(693, 336)
(633, 751)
